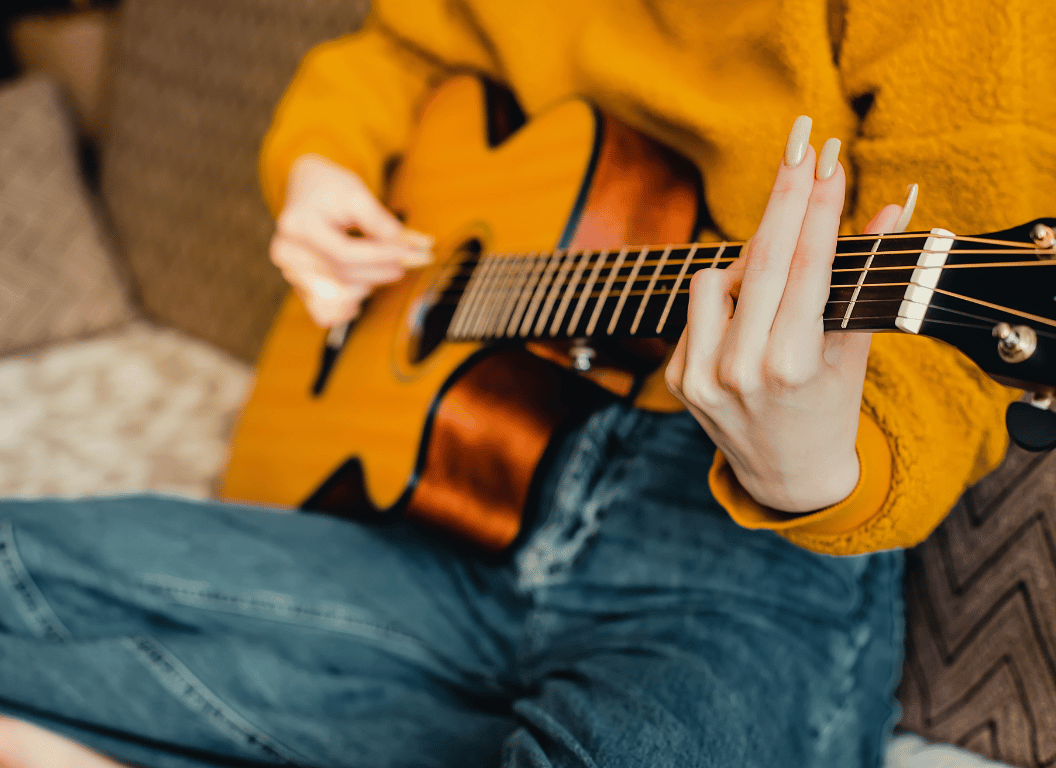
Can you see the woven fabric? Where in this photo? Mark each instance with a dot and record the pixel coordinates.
(981, 619)
(57, 279)
(195, 84)
(139, 408)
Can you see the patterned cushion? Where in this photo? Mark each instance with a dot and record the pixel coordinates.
(981, 619)
(140, 408)
(195, 85)
(56, 275)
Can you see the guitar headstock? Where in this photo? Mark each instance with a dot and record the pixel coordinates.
(993, 296)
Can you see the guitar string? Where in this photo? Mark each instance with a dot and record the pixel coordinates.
(685, 291)
(501, 264)
(672, 295)
(620, 285)
(886, 318)
(990, 321)
(998, 307)
(1008, 246)
(849, 270)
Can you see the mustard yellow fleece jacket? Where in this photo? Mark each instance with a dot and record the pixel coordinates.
(951, 94)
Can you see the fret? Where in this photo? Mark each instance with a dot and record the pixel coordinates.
(678, 282)
(519, 275)
(569, 292)
(500, 291)
(649, 289)
(467, 306)
(485, 297)
(555, 290)
(551, 264)
(600, 303)
(460, 308)
(718, 253)
(582, 303)
(538, 262)
(861, 281)
(622, 301)
(532, 295)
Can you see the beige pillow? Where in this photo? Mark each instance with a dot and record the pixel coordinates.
(56, 276)
(196, 82)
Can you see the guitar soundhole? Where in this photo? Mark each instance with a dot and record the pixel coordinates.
(432, 313)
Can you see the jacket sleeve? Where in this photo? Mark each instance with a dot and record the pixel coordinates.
(356, 99)
(944, 96)
(353, 100)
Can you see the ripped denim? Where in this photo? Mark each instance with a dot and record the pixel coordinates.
(636, 625)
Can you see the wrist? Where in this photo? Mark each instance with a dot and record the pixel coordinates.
(797, 484)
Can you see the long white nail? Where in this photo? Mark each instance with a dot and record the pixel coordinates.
(827, 159)
(907, 208)
(798, 140)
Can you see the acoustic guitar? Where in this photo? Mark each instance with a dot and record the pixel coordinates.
(446, 393)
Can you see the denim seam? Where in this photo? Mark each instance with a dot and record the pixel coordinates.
(220, 599)
(30, 601)
(193, 693)
(389, 639)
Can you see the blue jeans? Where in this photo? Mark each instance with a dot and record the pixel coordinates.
(635, 626)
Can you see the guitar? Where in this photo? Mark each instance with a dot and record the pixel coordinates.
(448, 389)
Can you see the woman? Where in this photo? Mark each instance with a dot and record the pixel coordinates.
(637, 624)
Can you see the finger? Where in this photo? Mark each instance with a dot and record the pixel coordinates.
(770, 252)
(676, 367)
(362, 258)
(796, 340)
(328, 300)
(884, 220)
(294, 257)
(320, 187)
(319, 183)
(707, 320)
(735, 271)
(332, 242)
(893, 218)
(366, 212)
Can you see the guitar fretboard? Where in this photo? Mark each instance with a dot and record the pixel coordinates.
(644, 291)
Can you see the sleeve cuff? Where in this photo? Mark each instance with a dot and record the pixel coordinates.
(864, 502)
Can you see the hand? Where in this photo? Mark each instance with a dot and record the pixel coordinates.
(778, 396)
(332, 271)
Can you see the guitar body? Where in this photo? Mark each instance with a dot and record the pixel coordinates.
(452, 432)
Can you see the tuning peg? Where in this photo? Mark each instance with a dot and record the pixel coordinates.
(1031, 425)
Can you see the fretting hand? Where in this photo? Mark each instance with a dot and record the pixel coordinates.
(333, 272)
(778, 396)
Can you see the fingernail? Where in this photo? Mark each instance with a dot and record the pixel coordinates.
(323, 290)
(907, 208)
(416, 258)
(827, 159)
(418, 240)
(798, 138)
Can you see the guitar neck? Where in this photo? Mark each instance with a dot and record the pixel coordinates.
(643, 292)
